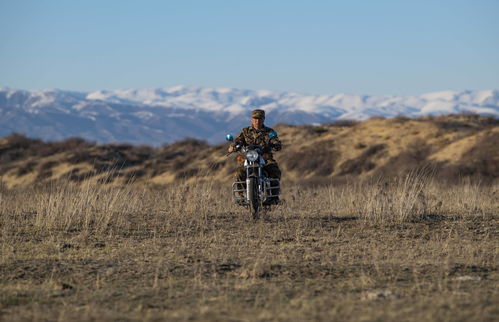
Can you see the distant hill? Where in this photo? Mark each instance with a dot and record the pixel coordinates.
(456, 147)
(159, 116)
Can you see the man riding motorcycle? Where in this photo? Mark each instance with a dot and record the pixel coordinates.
(258, 133)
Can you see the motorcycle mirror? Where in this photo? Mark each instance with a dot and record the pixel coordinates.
(273, 134)
(229, 137)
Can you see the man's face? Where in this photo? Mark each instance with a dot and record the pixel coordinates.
(257, 123)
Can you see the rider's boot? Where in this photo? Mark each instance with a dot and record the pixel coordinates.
(272, 201)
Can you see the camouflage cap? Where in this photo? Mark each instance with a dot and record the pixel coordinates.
(258, 114)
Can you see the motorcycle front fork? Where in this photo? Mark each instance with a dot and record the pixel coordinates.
(250, 173)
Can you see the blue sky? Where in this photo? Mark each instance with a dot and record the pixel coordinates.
(316, 47)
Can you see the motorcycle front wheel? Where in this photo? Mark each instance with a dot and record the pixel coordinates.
(254, 201)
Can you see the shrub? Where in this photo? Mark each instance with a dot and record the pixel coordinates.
(363, 162)
(319, 159)
(26, 168)
(413, 157)
(185, 174)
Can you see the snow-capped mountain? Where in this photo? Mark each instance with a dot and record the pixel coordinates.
(158, 116)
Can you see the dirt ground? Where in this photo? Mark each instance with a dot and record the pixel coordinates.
(184, 253)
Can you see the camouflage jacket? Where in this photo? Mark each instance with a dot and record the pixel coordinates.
(250, 135)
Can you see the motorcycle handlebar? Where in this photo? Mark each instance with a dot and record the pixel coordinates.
(240, 147)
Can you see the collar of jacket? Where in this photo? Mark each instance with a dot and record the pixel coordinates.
(263, 129)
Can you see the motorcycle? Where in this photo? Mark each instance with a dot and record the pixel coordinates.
(258, 191)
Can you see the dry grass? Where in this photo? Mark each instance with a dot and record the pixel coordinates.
(404, 249)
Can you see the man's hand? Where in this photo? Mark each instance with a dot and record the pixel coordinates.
(230, 149)
(276, 146)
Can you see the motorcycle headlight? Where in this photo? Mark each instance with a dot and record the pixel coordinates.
(252, 155)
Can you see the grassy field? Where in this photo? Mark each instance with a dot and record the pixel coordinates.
(401, 250)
